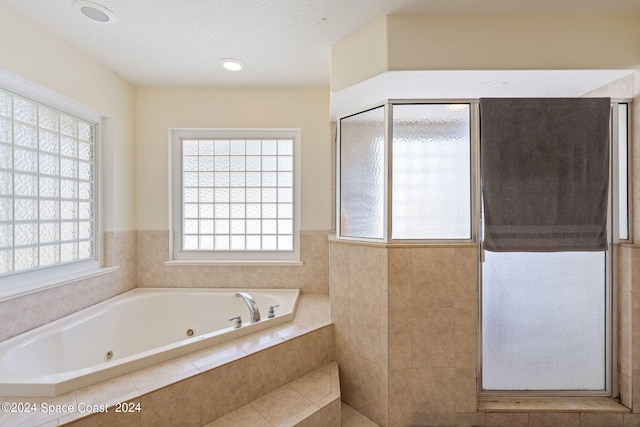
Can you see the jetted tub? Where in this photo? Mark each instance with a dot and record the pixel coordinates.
(128, 332)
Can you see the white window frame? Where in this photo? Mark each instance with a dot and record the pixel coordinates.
(179, 257)
(25, 282)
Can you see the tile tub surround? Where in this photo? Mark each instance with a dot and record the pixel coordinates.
(20, 314)
(312, 277)
(200, 387)
(130, 332)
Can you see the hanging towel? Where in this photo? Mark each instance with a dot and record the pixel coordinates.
(545, 173)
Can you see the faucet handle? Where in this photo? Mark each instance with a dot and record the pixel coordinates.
(272, 312)
(238, 321)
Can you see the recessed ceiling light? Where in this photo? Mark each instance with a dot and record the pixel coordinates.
(232, 64)
(95, 11)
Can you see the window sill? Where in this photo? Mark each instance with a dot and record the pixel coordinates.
(558, 404)
(271, 263)
(15, 292)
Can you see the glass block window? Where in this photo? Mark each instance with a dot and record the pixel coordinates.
(237, 195)
(47, 186)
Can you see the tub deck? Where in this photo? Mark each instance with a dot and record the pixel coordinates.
(308, 338)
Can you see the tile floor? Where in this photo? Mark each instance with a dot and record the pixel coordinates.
(353, 418)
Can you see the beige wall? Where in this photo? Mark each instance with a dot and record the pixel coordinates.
(359, 56)
(35, 54)
(162, 108)
(488, 43)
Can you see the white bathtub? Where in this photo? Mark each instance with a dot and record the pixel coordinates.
(133, 330)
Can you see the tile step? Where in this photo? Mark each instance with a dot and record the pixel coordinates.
(308, 401)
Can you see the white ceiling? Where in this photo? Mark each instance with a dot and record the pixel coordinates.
(284, 43)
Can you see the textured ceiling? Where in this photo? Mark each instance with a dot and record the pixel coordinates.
(284, 43)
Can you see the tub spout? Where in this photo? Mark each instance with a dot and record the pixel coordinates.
(254, 313)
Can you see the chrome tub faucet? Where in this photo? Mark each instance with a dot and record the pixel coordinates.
(254, 313)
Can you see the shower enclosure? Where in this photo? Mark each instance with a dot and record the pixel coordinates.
(405, 172)
(408, 174)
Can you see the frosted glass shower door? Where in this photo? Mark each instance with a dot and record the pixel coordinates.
(362, 174)
(431, 171)
(544, 321)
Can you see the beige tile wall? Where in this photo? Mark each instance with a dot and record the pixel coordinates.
(405, 323)
(624, 338)
(632, 335)
(358, 283)
(432, 319)
(312, 277)
(23, 313)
